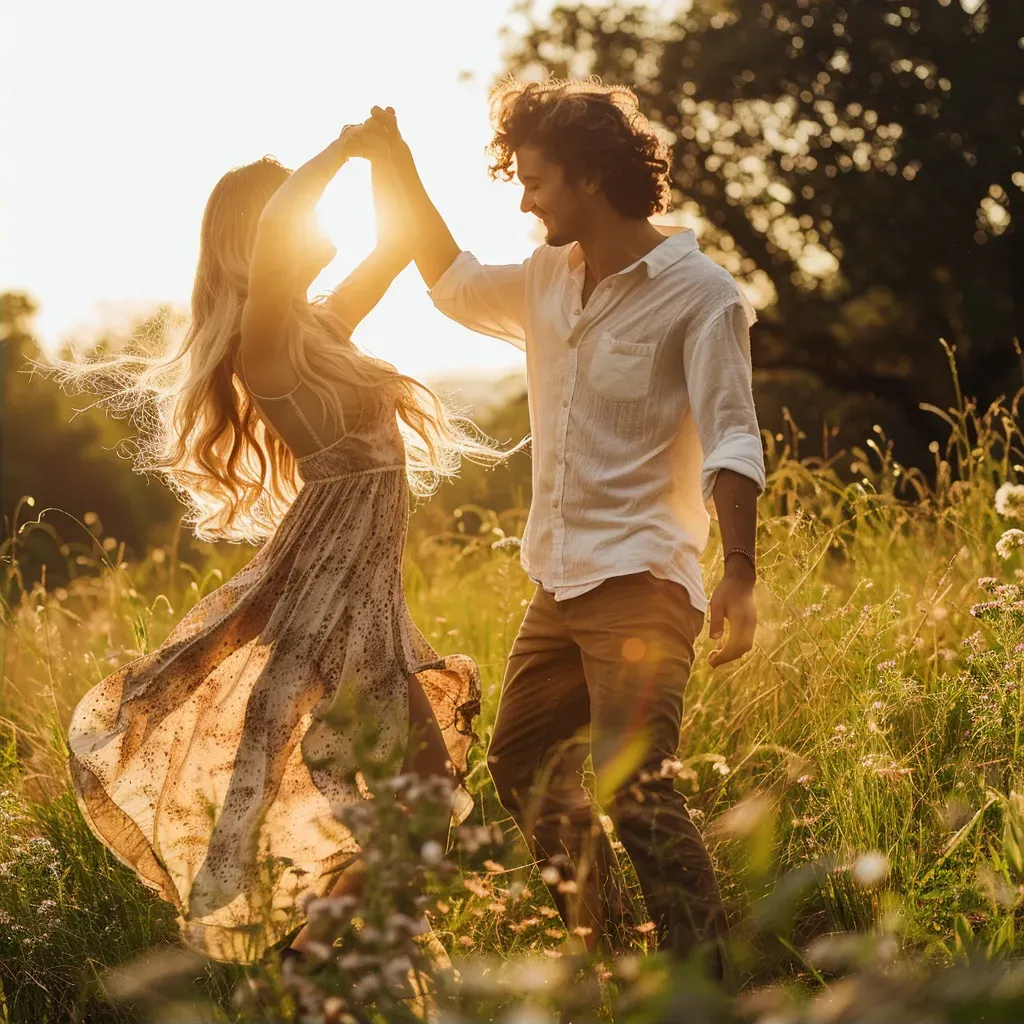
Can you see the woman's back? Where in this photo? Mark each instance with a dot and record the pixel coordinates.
(298, 417)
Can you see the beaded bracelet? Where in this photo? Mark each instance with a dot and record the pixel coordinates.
(748, 555)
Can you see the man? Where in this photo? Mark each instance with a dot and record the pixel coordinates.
(639, 378)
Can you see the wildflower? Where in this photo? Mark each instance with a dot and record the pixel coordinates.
(493, 867)
(509, 544)
(554, 933)
(986, 609)
(399, 924)
(870, 869)
(350, 963)
(550, 875)
(476, 887)
(744, 818)
(534, 976)
(333, 1008)
(432, 853)
(886, 666)
(568, 886)
(365, 987)
(722, 768)
(1009, 542)
(646, 928)
(975, 642)
(527, 922)
(528, 1014)
(1010, 501)
(396, 972)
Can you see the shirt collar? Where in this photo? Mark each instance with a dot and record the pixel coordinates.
(681, 242)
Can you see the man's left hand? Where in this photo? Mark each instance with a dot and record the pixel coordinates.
(733, 602)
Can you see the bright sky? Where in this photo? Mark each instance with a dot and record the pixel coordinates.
(119, 117)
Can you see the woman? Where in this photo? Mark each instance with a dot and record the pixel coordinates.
(212, 765)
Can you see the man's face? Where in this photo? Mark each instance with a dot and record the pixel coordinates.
(559, 206)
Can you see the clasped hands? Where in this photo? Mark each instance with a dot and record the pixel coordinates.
(375, 139)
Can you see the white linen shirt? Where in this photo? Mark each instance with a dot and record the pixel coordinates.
(636, 401)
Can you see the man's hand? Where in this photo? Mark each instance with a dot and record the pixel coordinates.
(733, 602)
(386, 122)
(367, 140)
(434, 249)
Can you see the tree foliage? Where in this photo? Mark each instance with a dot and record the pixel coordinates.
(863, 155)
(67, 462)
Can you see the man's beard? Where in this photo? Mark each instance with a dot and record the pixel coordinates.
(556, 237)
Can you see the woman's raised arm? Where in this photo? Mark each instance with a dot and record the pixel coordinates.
(282, 239)
(366, 285)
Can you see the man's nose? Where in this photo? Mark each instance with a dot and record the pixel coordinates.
(527, 204)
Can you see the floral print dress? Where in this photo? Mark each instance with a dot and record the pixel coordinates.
(214, 765)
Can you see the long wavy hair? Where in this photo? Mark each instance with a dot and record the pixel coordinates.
(199, 428)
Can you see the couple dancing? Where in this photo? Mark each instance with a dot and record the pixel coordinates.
(230, 743)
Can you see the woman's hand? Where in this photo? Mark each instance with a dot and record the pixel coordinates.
(365, 140)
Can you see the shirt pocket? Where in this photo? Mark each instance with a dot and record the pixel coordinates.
(621, 370)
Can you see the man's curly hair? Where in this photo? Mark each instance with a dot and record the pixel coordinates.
(590, 129)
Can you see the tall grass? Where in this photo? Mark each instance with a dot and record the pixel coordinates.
(881, 713)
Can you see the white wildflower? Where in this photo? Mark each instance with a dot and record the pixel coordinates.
(432, 853)
(1010, 501)
(528, 1014)
(1009, 542)
(551, 875)
(870, 869)
(366, 987)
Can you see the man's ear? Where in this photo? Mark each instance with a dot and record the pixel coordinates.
(591, 183)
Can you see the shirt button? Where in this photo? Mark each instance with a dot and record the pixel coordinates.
(576, 312)
(565, 403)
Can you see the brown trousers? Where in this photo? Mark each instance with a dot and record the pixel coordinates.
(604, 673)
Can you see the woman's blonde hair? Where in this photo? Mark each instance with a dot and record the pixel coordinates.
(199, 428)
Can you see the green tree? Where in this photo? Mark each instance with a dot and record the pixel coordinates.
(66, 463)
(865, 155)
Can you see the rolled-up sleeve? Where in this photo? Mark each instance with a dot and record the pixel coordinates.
(718, 382)
(490, 300)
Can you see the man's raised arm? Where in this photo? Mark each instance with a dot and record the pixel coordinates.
(435, 249)
(487, 299)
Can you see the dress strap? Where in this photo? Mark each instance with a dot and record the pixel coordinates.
(302, 417)
(290, 399)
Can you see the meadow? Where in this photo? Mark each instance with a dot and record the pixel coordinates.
(856, 775)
